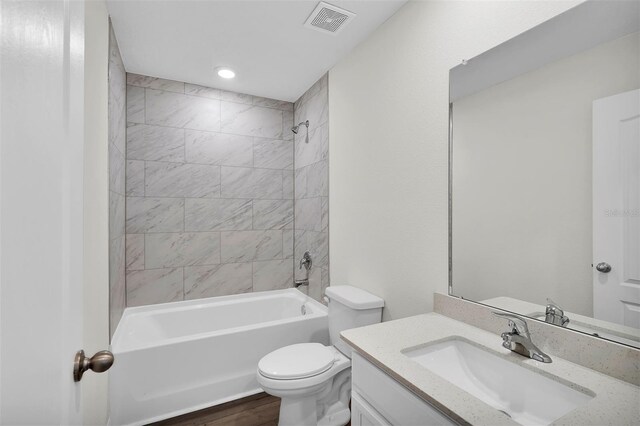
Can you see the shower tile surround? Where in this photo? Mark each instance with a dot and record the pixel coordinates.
(210, 191)
(117, 140)
(312, 185)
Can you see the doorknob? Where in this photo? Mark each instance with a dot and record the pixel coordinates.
(603, 267)
(98, 363)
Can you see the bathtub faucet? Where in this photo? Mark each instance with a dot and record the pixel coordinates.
(306, 261)
(298, 283)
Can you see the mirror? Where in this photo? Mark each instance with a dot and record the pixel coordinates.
(545, 173)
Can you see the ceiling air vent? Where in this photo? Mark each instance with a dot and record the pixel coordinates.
(328, 18)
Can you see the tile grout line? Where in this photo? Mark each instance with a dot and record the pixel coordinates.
(211, 164)
(218, 98)
(220, 131)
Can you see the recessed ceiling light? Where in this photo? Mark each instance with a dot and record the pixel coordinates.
(226, 73)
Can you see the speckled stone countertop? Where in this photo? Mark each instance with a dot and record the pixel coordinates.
(615, 402)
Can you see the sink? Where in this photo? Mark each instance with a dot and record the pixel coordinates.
(529, 398)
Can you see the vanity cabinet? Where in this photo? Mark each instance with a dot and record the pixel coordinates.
(379, 400)
(363, 414)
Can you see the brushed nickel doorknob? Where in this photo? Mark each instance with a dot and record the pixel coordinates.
(603, 267)
(98, 363)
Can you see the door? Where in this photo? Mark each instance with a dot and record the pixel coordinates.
(42, 186)
(362, 414)
(616, 208)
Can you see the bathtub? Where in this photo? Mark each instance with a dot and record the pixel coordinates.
(179, 357)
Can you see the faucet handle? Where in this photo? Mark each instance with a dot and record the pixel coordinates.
(518, 324)
(554, 314)
(553, 307)
(306, 261)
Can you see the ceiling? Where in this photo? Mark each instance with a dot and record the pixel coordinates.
(264, 42)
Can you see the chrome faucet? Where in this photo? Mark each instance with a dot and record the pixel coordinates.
(518, 339)
(307, 263)
(555, 315)
(301, 282)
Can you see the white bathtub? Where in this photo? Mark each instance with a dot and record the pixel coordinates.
(175, 358)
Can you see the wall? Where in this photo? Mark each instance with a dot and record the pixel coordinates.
(117, 141)
(312, 186)
(209, 192)
(96, 205)
(536, 130)
(388, 104)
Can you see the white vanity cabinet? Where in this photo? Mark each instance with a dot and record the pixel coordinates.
(378, 400)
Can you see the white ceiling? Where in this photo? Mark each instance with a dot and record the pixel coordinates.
(264, 41)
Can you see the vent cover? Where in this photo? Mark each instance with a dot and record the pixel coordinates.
(328, 18)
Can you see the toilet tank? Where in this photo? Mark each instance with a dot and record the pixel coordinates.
(350, 307)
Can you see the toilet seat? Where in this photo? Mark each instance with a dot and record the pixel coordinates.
(297, 361)
(324, 362)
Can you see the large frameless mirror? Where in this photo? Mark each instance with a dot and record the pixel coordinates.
(545, 173)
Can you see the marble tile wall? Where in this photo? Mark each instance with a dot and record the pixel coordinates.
(209, 192)
(312, 185)
(117, 140)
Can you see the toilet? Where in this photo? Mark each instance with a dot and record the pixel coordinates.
(314, 380)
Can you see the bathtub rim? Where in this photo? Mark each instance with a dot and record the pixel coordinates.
(319, 310)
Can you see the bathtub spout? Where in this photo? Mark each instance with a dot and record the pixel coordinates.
(298, 283)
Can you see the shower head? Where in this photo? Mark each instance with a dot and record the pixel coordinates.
(295, 129)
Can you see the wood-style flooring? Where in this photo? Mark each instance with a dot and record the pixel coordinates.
(255, 410)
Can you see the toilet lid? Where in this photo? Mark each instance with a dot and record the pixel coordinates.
(297, 361)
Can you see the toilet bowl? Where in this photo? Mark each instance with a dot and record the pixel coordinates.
(307, 377)
(314, 380)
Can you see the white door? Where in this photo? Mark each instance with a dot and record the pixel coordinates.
(616, 212)
(42, 253)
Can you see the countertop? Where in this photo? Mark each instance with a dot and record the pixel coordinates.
(616, 402)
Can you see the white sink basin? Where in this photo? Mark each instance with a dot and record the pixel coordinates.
(527, 397)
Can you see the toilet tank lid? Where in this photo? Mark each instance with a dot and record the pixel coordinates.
(353, 297)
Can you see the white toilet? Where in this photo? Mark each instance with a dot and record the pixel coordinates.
(313, 380)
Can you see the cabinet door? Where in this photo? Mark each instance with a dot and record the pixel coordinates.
(394, 403)
(362, 414)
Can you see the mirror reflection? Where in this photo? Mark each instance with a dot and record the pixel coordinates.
(545, 173)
